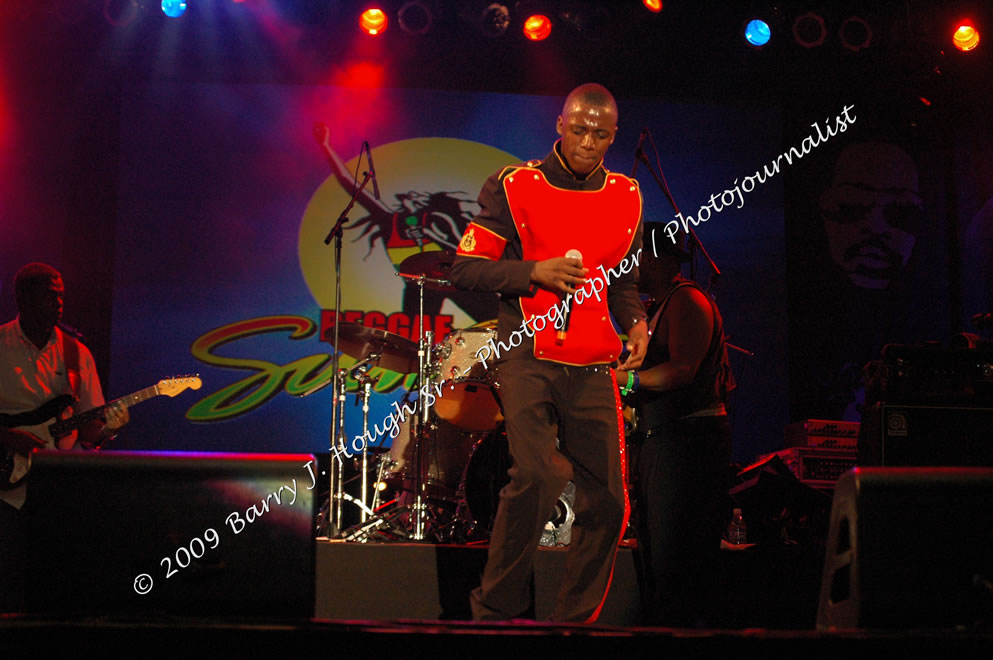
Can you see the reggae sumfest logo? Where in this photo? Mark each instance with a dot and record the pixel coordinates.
(428, 189)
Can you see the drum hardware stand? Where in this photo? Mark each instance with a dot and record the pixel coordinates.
(385, 463)
(423, 415)
(372, 520)
(338, 449)
(362, 532)
(419, 428)
(330, 513)
(364, 529)
(361, 371)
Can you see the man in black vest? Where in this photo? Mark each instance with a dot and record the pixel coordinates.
(685, 438)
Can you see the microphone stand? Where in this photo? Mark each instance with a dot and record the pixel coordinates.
(337, 425)
(694, 240)
(695, 243)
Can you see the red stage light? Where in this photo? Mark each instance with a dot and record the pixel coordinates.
(966, 36)
(653, 5)
(537, 27)
(373, 21)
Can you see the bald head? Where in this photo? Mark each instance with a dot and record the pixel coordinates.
(587, 125)
(589, 94)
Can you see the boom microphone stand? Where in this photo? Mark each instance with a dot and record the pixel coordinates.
(337, 434)
(694, 242)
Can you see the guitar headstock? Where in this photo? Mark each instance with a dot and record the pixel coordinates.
(173, 386)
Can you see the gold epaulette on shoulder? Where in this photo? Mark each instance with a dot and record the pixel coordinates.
(507, 171)
(634, 181)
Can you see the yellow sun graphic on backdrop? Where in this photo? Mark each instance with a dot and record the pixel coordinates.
(409, 172)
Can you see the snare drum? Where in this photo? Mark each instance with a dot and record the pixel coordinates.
(468, 400)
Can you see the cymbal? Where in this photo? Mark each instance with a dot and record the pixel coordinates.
(397, 353)
(434, 265)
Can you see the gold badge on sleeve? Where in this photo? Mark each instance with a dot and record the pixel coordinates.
(468, 243)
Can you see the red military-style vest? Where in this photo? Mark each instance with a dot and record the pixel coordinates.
(602, 225)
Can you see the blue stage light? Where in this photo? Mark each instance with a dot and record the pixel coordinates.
(173, 8)
(757, 32)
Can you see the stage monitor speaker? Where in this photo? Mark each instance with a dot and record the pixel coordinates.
(174, 533)
(901, 435)
(909, 548)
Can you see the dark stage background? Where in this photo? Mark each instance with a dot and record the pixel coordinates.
(169, 169)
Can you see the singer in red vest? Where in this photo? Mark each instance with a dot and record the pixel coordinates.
(559, 395)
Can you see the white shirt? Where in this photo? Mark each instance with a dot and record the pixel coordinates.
(30, 377)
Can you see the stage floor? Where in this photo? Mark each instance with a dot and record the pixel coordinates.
(35, 637)
(411, 600)
(767, 588)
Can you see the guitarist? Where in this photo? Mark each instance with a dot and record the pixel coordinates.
(38, 362)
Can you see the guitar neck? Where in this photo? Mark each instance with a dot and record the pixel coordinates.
(65, 426)
(136, 397)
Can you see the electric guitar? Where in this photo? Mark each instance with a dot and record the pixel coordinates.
(44, 423)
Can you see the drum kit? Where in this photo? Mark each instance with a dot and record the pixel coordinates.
(449, 458)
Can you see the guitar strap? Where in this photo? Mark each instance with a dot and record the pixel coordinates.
(70, 355)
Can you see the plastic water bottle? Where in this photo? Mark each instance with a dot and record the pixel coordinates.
(737, 531)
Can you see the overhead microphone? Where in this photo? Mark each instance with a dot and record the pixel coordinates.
(372, 170)
(561, 334)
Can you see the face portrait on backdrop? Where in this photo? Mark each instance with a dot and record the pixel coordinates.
(872, 213)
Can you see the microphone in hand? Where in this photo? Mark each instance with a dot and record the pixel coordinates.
(561, 334)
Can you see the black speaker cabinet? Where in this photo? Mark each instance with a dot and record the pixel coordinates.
(898, 435)
(909, 548)
(172, 533)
